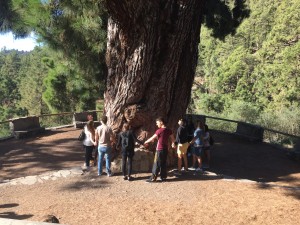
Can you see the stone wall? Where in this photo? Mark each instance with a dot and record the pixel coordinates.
(25, 126)
(250, 131)
(80, 119)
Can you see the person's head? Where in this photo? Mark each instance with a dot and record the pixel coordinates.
(181, 122)
(200, 124)
(125, 127)
(104, 119)
(90, 125)
(160, 122)
(206, 128)
(90, 117)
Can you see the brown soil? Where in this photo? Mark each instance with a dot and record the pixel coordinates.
(189, 199)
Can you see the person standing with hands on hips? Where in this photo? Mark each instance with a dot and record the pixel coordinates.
(162, 135)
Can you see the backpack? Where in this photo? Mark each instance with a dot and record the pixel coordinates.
(211, 140)
(127, 141)
(81, 135)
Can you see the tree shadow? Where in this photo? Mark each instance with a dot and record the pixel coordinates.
(13, 215)
(10, 205)
(259, 162)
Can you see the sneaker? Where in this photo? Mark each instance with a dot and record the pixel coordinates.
(162, 179)
(150, 180)
(110, 174)
(130, 178)
(199, 170)
(125, 178)
(100, 174)
(177, 173)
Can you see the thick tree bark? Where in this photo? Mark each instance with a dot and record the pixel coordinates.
(152, 53)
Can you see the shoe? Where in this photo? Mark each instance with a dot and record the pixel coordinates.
(130, 178)
(100, 174)
(199, 170)
(125, 178)
(177, 173)
(150, 180)
(162, 180)
(110, 174)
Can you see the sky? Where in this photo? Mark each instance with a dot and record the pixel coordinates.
(7, 40)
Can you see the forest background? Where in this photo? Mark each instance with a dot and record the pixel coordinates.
(251, 76)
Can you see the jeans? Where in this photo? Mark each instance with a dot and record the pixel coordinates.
(104, 151)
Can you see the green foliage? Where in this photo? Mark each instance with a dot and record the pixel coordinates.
(31, 87)
(253, 76)
(10, 67)
(75, 30)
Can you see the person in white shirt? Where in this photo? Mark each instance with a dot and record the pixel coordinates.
(89, 142)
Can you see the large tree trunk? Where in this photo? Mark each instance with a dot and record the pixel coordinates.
(152, 53)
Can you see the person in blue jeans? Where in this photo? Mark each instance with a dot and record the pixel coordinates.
(198, 142)
(104, 138)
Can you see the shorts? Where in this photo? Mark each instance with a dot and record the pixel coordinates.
(197, 150)
(206, 148)
(182, 148)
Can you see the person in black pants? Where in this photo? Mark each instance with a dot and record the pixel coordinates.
(126, 141)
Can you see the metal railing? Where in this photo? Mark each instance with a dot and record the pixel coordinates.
(225, 125)
(269, 135)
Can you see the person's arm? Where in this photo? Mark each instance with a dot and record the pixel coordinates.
(173, 140)
(177, 140)
(136, 139)
(90, 136)
(206, 136)
(150, 139)
(96, 137)
(119, 141)
(112, 137)
(193, 140)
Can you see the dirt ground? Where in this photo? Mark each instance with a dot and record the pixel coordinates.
(271, 198)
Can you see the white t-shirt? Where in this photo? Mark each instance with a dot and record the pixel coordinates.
(88, 137)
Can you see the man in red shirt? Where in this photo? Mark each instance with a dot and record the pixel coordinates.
(162, 136)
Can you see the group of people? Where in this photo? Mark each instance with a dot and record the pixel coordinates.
(196, 141)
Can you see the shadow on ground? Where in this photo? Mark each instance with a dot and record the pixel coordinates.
(231, 156)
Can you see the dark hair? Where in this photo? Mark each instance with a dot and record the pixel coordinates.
(183, 120)
(104, 119)
(125, 127)
(160, 119)
(90, 126)
(200, 124)
(206, 128)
